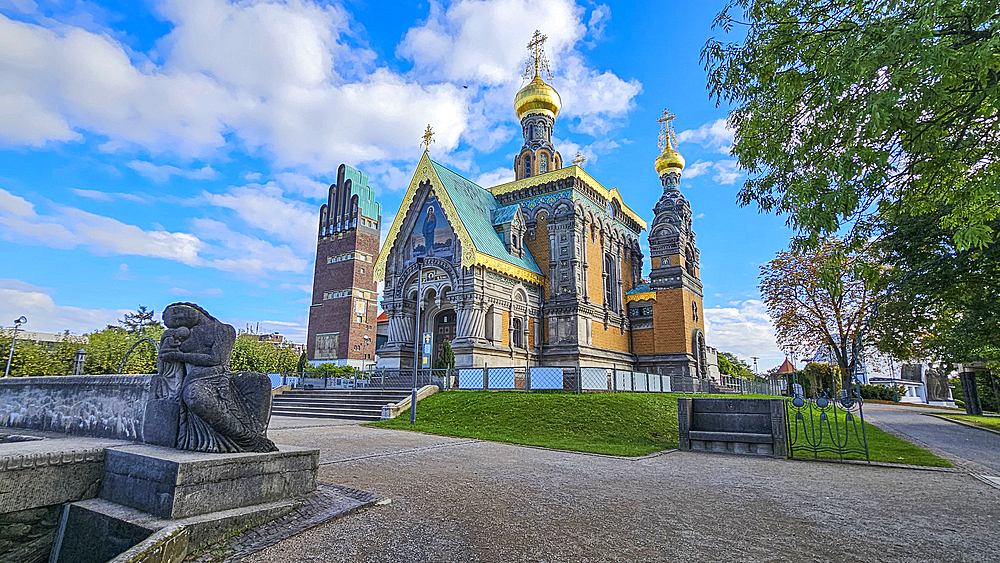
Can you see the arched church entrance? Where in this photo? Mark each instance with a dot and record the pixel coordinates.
(444, 330)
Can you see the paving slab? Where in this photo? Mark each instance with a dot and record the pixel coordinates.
(340, 443)
(461, 500)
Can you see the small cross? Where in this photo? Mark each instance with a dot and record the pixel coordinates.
(579, 159)
(537, 60)
(428, 138)
(666, 130)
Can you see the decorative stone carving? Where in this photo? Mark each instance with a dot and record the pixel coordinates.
(217, 410)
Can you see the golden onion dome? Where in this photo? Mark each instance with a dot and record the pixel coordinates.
(669, 159)
(537, 97)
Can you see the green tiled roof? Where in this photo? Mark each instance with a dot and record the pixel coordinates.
(641, 288)
(366, 196)
(476, 206)
(504, 214)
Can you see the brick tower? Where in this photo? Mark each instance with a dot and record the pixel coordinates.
(344, 297)
(668, 323)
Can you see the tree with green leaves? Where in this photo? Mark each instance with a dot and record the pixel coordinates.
(847, 109)
(732, 366)
(820, 298)
(446, 357)
(253, 354)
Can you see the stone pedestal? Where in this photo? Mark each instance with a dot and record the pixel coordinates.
(172, 483)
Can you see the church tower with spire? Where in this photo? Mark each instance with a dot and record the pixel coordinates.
(537, 105)
(668, 322)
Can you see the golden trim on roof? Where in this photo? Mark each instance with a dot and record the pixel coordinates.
(425, 173)
(651, 295)
(573, 171)
(511, 270)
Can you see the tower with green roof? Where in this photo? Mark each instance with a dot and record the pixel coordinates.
(344, 296)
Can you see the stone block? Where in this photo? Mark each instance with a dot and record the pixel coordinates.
(160, 424)
(176, 484)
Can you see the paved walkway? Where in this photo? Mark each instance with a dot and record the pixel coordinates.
(465, 500)
(944, 438)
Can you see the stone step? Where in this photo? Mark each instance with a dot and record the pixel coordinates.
(332, 403)
(327, 414)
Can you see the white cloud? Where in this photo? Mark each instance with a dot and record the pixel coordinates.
(265, 208)
(70, 227)
(715, 135)
(697, 169)
(45, 315)
(495, 177)
(302, 185)
(482, 42)
(274, 75)
(244, 254)
(745, 329)
(162, 173)
(108, 196)
(726, 172)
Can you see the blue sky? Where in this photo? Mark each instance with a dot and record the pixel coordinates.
(152, 152)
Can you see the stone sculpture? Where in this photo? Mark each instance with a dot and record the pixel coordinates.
(198, 404)
(937, 385)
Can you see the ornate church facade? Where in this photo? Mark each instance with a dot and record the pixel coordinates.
(545, 270)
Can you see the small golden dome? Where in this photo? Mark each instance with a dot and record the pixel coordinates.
(537, 97)
(669, 159)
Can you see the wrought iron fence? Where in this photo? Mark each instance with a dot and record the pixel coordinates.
(825, 427)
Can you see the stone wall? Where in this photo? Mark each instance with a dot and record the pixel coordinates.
(26, 536)
(106, 406)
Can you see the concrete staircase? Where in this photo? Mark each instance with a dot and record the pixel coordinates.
(350, 404)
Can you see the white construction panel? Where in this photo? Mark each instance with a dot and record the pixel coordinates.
(624, 380)
(639, 381)
(654, 382)
(593, 379)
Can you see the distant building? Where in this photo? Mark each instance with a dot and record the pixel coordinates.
(344, 300)
(49, 338)
(279, 340)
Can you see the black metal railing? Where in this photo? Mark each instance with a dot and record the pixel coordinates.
(828, 428)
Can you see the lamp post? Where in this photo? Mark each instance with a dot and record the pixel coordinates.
(416, 344)
(10, 355)
(364, 348)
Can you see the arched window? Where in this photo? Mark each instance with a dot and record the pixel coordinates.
(531, 132)
(694, 310)
(527, 165)
(516, 333)
(543, 164)
(513, 242)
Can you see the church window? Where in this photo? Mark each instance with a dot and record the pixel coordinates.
(689, 261)
(694, 310)
(513, 242)
(543, 165)
(531, 132)
(516, 333)
(527, 165)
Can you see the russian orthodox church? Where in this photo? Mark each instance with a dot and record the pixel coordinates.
(545, 270)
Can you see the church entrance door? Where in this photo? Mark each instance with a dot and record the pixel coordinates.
(444, 330)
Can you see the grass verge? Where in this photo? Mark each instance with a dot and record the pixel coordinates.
(625, 424)
(991, 422)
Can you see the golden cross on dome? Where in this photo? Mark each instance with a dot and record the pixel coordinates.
(428, 138)
(536, 60)
(579, 159)
(667, 137)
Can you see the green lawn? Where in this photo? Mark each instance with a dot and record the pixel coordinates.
(626, 424)
(991, 422)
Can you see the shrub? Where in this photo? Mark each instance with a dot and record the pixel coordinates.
(882, 392)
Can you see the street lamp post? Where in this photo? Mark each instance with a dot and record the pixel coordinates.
(417, 341)
(364, 348)
(10, 355)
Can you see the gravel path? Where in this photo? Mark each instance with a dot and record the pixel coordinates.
(465, 500)
(944, 438)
